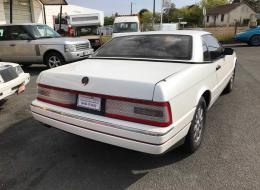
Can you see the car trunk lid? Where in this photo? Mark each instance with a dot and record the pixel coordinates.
(122, 78)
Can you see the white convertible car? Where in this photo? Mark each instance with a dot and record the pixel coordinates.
(142, 91)
(12, 79)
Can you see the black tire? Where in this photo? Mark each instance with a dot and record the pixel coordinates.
(53, 59)
(230, 84)
(255, 40)
(195, 135)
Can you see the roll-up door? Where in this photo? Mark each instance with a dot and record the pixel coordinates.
(7, 11)
(21, 11)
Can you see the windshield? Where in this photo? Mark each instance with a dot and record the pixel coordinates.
(173, 47)
(125, 27)
(43, 31)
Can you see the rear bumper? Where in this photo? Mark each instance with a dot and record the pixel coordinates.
(122, 135)
(11, 87)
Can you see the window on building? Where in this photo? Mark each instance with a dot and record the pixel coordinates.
(207, 18)
(215, 19)
(222, 18)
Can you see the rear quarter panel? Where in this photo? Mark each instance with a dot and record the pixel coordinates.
(184, 89)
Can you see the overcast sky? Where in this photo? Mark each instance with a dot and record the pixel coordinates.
(123, 6)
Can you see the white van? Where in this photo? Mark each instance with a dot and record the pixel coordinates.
(123, 24)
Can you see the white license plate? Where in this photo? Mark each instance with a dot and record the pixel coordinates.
(21, 89)
(88, 52)
(89, 102)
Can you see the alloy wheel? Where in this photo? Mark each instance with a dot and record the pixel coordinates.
(199, 124)
(54, 61)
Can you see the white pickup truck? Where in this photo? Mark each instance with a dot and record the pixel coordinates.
(141, 91)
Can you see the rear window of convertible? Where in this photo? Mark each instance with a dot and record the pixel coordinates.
(173, 47)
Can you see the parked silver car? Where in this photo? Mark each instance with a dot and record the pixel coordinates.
(38, 43)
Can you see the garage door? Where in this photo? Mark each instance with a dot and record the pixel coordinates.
(21, 11)
(7, 11)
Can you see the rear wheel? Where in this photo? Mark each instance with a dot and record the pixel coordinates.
(231, 82)
(195, 135)
(255, 40)
(53, 60)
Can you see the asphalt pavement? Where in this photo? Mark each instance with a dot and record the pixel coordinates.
(35, 157)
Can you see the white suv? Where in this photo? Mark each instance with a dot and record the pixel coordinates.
(38, 43)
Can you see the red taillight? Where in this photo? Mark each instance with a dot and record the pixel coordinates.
(145, 112)
(70, 31)
(139, 111)
(56, 97)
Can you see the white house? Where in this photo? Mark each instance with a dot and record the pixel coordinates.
(229, 14)
(38, 11)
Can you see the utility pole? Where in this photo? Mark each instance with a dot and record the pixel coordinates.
(60, 18)
(153, 12)
(205, 13)
(131, 8)
(162, 7)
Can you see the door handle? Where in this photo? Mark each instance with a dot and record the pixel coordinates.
(12, 45)
(218, 67)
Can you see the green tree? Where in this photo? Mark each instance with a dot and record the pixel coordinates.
(141, 12)
(147, 17)
(194, 15)
(191, 14)
(147, 20)
(109, 20)
(213, 3)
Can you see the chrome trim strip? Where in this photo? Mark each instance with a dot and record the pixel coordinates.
(130, 129)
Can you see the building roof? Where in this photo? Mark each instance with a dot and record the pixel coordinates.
(71, 10)
(222, 9)
(54, 2)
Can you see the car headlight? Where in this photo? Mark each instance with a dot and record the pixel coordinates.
(19, 69)
(70, 48)
(1, 79)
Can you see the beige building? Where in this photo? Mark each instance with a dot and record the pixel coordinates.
(229, 14)
(25, 11)
(39, 11)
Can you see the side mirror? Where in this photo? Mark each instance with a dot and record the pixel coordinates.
(228, 51)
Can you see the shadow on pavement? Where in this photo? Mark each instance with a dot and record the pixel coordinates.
(36, 157)
(34, 70)
(2, 103)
